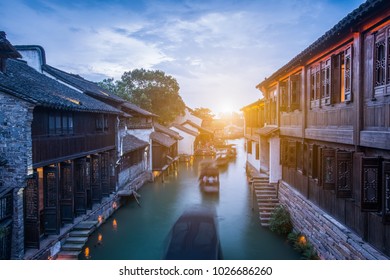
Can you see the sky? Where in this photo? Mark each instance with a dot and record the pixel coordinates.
(217, 50)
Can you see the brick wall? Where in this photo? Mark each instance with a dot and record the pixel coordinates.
(331, 239)
(16, 148)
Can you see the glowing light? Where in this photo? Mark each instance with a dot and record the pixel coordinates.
(100, 238)
(302, 240)
(114, 205)
(100, 219)
(115, 224)
(86, 253)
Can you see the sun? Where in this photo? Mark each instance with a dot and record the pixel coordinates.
(225, 108)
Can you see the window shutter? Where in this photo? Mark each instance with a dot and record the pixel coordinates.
(386, 192)
(371, 184)
(328, 169)
(295, 89)
(292, 162)
(319, 165)
(344, 174)
(348, 74)
(283, 89)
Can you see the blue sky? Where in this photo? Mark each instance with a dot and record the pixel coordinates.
(218, 51)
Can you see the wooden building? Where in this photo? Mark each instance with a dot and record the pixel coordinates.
(132, 121)
(330, 107)
(60, 150)
(165, 152)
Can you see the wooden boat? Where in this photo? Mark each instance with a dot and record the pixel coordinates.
(208, 176)
(194, 236)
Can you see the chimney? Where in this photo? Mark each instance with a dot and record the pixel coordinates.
(7, 50)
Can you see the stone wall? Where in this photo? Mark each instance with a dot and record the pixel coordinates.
(331, 239)
(16, 148)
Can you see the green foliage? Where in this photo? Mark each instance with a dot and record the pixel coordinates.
(203, 113)
(109, 84)
(153, 91)
(280, 221)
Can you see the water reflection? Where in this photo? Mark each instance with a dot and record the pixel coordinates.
(143, 231)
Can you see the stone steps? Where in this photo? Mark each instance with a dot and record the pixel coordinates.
(74, 244)
(266, 197)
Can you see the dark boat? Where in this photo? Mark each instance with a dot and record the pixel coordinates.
(209, 176)
(194, 236)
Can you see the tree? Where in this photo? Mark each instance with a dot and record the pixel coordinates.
(153, 91)
(109, 84)
(203, 113)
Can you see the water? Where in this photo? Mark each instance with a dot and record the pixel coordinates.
(140, 232)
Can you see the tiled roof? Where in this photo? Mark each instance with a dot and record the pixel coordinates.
(7, 50)
(25, 82)
(256, 103)
(267, 130)
(132, 143)
(138, 110)
(162, 139)
(337, 32)
(160, 128)
(81, 84)
(185, 129)
(201, 129)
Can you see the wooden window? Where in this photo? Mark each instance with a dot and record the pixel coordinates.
(326, 82)
(60, 123)
(299, 155)
(328, 169)
(292, 157)
(386, 192)
(371, 184)
(257, 151)
(5, 205)
(284, 97)
(382, 61)
(347, 75)
(344, 174)
(315, 86)
(295, 90)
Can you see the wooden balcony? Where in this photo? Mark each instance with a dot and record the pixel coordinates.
(51, 149)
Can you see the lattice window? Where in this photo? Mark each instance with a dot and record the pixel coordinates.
(52, 188)
(329, 168)
(292, 157)
(386, 186)
(326, 81)
(344, 174)
(371, 184)
(295, 89)
(380, 63)
(66, 181)
(347, 81)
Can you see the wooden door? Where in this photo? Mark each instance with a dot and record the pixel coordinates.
(31, 213)
(96, 187)
(66, 193)
(386, 192)
(79, 186)
(51, 200)
(104, 174)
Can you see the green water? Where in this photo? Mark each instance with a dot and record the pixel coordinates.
(140, 232)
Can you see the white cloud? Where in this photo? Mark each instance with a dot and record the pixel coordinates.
(216, 50)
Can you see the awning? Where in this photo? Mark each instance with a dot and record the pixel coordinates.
(132, 143)
(162, 139)
(267, 130)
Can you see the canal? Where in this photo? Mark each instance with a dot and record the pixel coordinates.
(139, 232)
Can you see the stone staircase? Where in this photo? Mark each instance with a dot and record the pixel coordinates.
(76, 240)
(265, 197)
